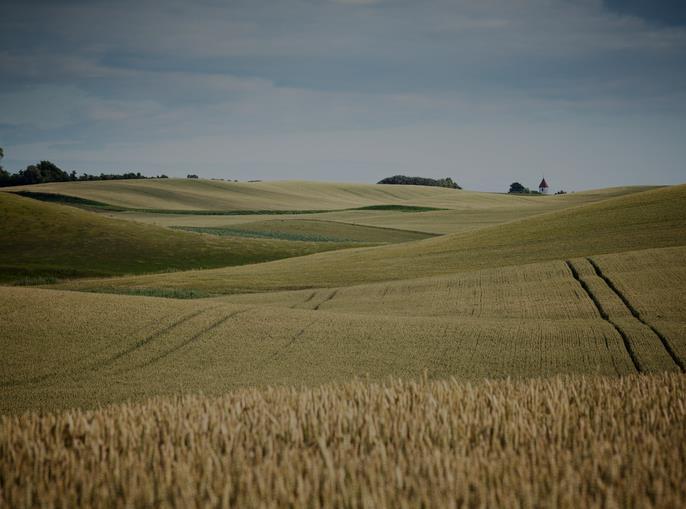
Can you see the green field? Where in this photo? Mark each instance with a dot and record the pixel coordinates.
(313, 230)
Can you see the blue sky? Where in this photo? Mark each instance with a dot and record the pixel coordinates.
(589, 93)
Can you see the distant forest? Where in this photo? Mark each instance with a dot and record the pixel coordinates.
(45, 171)
(420, 181)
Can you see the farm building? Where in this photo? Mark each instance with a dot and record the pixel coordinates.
(543, 186)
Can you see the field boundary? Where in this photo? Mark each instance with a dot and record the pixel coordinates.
(628, 345)
(663, 339)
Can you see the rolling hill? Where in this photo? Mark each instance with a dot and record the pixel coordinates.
(449, 334)
(648, 219)
(43, 240)
(213, 195)
(532, 320)
(592, 289)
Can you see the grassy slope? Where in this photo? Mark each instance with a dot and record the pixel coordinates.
(40, 239)
(431, 222)
(184, 194)
(524, 321)
(654, 218)
(464, 210)
(477, 211)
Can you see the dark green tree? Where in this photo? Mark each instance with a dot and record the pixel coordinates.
(516, 187)
(420, 181)
(45, 171)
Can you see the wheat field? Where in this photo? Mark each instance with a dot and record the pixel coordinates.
(520, 363)
(649, 219)
(559, 442)
(532, 320)
(463, 211)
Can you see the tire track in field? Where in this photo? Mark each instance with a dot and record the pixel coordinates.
(628, 345)
(612, 357)
(279, 351)
(327, 299)
(77, 371)
(663, 339)
(146, 340)
(138, 330)
(308, 299)
(183, 344)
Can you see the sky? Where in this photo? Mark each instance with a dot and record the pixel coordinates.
(588, 93)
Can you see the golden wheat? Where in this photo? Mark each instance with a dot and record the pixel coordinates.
(89, 349)
(560, 442)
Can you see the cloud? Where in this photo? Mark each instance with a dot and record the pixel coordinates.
(663, 12)
(310, 87)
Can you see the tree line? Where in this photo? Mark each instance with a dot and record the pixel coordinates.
(420, 181)
(45, 171)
